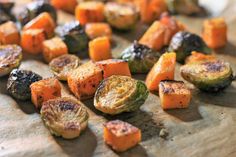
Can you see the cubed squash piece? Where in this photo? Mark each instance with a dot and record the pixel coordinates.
(65, 5)
(44, 90)
(91, 11)
(121, 135)
(199, 57)
(164, 69)
(84, 80)
(154, 36)
(215, 32)
(9, 33)
(150, 10)
(94, 30)
(174, 94)
(42, 21)
(100, 49)
(114, 67)
(32, 40)
(53, 48)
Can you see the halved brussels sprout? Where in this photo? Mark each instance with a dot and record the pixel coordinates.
(210, 76)
(187, 7)
(140, 57)
(118, 94)
(62, 65)
(19, 81)
(35, 8)
(10, 58)
(64, 117)
(183, 43)
(73, 34)
(120, 15)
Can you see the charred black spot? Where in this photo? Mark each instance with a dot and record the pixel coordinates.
(214, 66)
(66, 105)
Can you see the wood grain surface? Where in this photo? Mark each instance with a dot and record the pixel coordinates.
(206, 129)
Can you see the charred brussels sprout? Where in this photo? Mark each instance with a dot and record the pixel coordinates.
(121, 16)
(118, 94)
(209, 76)
(186, 7)
(62, 65)
(19, 81)
(10, 58)
(140, 57)
(64, 117)
(35, 8)
(73, 34)
(183, 43)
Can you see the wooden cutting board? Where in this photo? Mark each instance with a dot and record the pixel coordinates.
(206, 128)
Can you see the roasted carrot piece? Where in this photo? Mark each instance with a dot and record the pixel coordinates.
(121, 135)
(44, 90)
(114, 67)
(9, 33)
(174, 94)
(87, 12)
(150, 10)
(154, 36)
(199, 57)
(215, 32)
(42, 21)
(53, 48)
(32, 40)
(84, 80)
(164, 69)
(66, 5)
(100, 49)
(99, 29)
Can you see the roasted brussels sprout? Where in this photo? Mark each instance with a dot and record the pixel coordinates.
(140, 57)
(64, 117)
(19, 81)
(35, 8)
(73, 34)
(117, 94)
(186, 7)
(209, 76)
(183, 43)
(62, 65)
(121, 16)
(10, 58)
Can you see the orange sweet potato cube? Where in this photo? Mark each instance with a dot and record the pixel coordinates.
(98, 29)
(121, 135)
(32, 40)
(100, 49)
(114, 67)
(53, 48)
(84, 80)
(9, 33)
(215, 32)
(174, 94)
(44, 90)
(154, 37)
(42, 21)
(91, 11)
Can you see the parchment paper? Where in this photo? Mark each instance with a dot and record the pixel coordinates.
(206, 129)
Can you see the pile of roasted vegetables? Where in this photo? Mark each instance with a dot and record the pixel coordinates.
(106, 79)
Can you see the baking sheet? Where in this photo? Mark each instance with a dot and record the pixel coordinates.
(206, 128)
